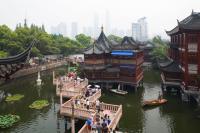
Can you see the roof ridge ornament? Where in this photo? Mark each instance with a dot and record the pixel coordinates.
(93, 46)
(102, 28)
(178, 22)
(192, 12)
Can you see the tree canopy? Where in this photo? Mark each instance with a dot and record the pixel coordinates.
(160, 50)
(83, 39)
(14, 42)
(115, 38)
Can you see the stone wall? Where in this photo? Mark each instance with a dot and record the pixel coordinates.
(35, 69)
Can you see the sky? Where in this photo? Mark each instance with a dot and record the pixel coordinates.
(161, 14)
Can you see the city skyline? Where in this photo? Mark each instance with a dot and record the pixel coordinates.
(122, 15)
(140, 30)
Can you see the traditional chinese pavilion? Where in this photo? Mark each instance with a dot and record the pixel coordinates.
(183, 66)
(110, 63)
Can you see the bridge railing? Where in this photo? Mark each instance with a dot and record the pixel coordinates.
(95, 96)
(116, 119)
(83, 129)
(66, 109)
(110, 107)
(70, 88)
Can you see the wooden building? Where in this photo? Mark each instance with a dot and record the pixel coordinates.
(105, 62)
(183, 67)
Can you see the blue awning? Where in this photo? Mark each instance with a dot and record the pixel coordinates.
(127, 66)
(123, 53)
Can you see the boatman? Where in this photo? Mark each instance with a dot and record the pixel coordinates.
(160, 96)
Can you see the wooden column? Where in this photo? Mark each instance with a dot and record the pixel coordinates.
(61, 100)
(53, 75)
(198, 61)
(72, 119)
(198, 53)
(180, 51)
(186, 74)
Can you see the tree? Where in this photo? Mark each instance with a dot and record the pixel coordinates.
(83, 39)
(160, 50)
(7, 36)
(14, 42)
(115, 38)
(3, 54)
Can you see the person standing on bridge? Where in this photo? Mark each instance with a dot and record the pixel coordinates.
(88, 104)
(98, 105)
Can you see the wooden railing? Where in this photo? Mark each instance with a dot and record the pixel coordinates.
(116, 119)
(110, 107)
(95, 96)
(78, 112)
(70, 89)
(69, 93)
(83, 129)
(118, 113)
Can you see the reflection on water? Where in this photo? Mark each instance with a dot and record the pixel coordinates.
(175, 116)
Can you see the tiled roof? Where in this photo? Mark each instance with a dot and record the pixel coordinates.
(192, 22)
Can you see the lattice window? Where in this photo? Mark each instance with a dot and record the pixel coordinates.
(193, 68)
(192, 47)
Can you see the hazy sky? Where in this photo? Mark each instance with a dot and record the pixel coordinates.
(161, 14)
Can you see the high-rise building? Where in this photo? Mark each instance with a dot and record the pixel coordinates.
(96, 25)
(107, 19)
(61, 28)
(135, 31)
(139, 30)
(74, 29)
(143, 29)
(88, 31)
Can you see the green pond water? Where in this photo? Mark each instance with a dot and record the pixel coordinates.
(174, 117)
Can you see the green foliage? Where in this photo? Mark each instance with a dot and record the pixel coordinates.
(14, 42)
(13, 98)
(3, 54)
(160, 50)
(115, 38)
(83, 39)
(8, 120)
(78, 70)
(39, 104)
(72, 69)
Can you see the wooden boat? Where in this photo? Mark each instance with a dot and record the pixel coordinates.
(119, 91)
(154, 102)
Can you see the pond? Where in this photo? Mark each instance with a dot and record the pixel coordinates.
(176, 116)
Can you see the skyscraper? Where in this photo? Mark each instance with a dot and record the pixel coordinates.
(74, 29)
(143, 29)
(61, 28)
(135, 31)
(107, 19)
(88, 31)
(96, 25)
(139, 30)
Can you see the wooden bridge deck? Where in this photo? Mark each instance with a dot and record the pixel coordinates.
(76, 90)
(70, 88)
(80, 112)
